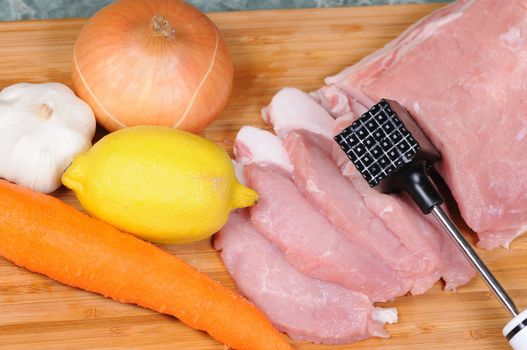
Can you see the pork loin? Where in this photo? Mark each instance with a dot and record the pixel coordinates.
(461, 74)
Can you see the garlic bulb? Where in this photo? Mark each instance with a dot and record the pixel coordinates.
(42, 127)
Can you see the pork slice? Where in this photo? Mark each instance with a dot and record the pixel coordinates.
(309, 241)
(238, 172)
(269, 151)
(460, 72)
(425, 240)
(401, 219)
(420, 234)
(340, 158)
(322, 182)
(305, 308)
(292, 109)
(337, 102)
(412, 229)
(253, 145)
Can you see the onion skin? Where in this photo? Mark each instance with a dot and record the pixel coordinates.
(152, 62)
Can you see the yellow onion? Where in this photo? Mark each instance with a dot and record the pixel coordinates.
(152, 62)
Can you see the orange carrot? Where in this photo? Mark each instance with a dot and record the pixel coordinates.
(44, 235)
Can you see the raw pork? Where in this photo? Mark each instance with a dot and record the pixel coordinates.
(292, 109)
(436, 251)
(425, 240)
(461, 74)
(258, 146)
(319, 178)
(337, 102)
(311, 244)
(303, 307)
(400, 218)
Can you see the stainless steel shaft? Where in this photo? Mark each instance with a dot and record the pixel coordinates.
(475, 260)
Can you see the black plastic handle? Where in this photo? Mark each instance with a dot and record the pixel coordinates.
(414, 180)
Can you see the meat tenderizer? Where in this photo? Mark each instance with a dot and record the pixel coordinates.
(393, 154)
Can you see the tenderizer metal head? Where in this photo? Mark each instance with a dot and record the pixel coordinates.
(392, 153)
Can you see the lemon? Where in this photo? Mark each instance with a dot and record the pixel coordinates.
(161, 184)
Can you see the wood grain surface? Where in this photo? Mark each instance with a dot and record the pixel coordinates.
(270, 50)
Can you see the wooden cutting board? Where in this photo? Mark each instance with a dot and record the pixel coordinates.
(270, 49)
